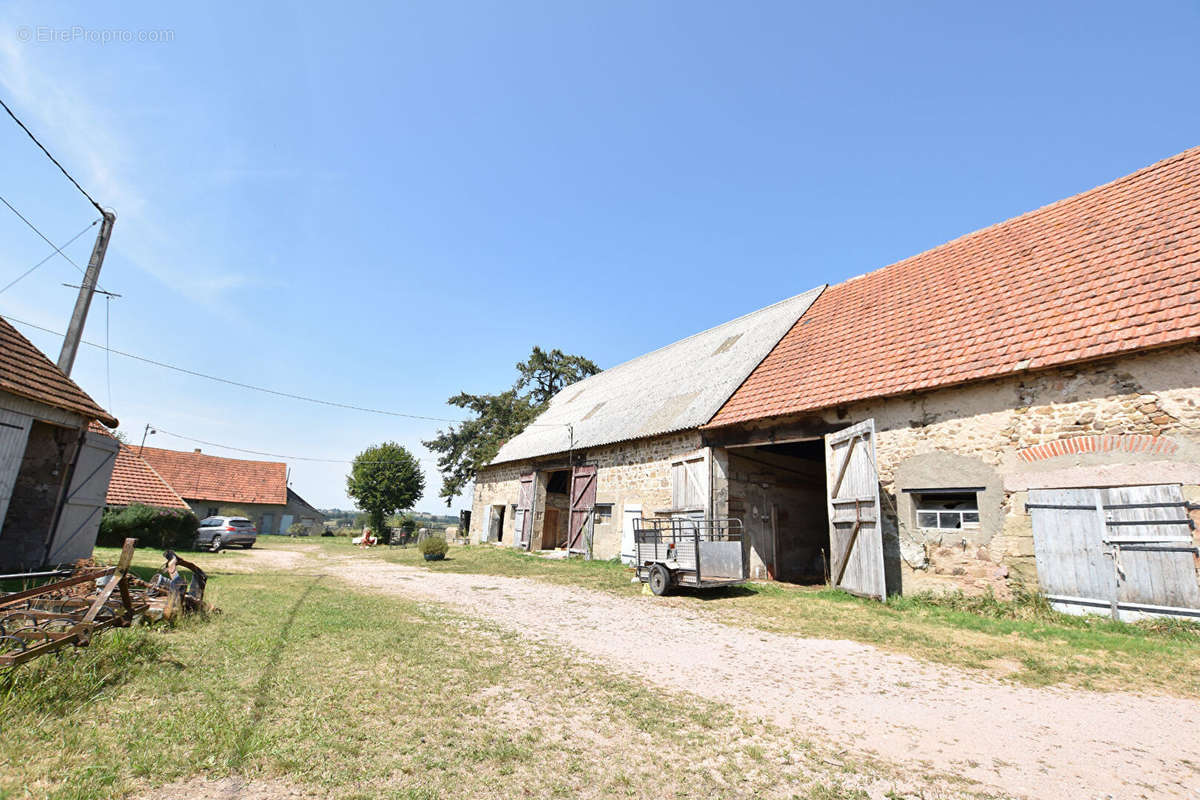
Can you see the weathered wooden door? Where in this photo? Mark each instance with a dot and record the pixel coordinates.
(550, 537)
(14, 434)
(79, 521)
(1127, 549)
(523, 521)
(583, 502)
(689, 484)
(852, 491)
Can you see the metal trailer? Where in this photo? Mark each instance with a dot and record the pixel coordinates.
(699, 553)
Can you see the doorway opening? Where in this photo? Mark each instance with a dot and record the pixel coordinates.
(778, 491)
(495, 531)
(557, 514)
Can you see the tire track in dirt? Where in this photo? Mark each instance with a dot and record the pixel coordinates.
(1046, 743)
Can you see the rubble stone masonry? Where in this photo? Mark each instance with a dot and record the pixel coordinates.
(1133, 420)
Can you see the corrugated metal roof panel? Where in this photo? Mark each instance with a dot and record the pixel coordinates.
(677, 387)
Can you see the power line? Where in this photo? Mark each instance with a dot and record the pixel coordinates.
(52, 158)
(45, 238)
(239, 384)
(160, 429)
(107, 365)
(57, 251)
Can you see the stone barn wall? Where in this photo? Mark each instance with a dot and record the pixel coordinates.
(628, 473)
(1127, 421)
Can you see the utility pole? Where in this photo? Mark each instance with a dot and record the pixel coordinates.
(70, 346)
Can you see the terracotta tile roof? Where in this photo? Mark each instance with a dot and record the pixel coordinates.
(199, 476)
(1113, 270)
(25, 371)
(135, 481)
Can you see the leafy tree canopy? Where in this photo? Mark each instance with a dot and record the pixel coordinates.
(385, 479)
(466, 447)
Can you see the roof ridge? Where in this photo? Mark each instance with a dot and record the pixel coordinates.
(1121, 261)
(1039, 209)
(210, 455)
(818, 289)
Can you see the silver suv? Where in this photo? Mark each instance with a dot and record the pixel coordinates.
(217, 532)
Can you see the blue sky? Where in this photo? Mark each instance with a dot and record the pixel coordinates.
(385, 205)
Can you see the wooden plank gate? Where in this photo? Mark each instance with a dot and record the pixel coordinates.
(1125, 551)
(583, 503)
(523, 519)
(855, 532)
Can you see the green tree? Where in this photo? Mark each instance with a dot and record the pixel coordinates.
(383, 480)
(547, 374)
(466, 447)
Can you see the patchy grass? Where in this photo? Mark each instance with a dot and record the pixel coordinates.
(1022, 640)
(362, 696)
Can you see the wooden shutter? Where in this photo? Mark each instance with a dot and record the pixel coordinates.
(75, 534)
(523, 521)
(14, 435)
(689, 484)
(583, 502)
(855, 532)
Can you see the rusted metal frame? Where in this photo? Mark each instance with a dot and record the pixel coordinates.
(66, 639)
(91, 575)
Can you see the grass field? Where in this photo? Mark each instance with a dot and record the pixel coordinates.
(361, 696)
(1024, 641)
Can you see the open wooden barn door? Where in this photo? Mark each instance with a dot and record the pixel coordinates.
(855, 529)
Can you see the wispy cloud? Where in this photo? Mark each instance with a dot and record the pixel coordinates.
(92, 140)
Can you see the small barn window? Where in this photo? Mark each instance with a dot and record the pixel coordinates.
(603, 512)
(946, 509)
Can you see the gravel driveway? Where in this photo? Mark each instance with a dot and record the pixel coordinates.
(1045, 743)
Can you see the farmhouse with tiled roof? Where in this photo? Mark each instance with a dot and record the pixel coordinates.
(1020, 405)
(135, 481)
(213, 485)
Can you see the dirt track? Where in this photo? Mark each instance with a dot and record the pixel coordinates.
(1044, 743)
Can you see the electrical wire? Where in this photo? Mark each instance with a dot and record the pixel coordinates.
(52, 158)
(317, 459)
(46, 239)
(107, 363)
(57, 251)
(241, 385)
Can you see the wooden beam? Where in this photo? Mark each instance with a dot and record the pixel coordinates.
(846, 556)
(118, 577)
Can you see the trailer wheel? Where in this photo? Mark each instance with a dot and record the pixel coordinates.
(660, 580)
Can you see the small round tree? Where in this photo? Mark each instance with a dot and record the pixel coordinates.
(383, 480)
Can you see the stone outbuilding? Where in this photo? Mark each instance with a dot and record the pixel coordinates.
(1017, 408)
(623, 444)
(54, 471)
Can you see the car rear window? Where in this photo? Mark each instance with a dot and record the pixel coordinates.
(241, 523)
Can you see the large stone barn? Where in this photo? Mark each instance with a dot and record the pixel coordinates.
(1019, 407)
(623, 444)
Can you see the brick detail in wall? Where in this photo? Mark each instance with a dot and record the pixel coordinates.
(1134, 443)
